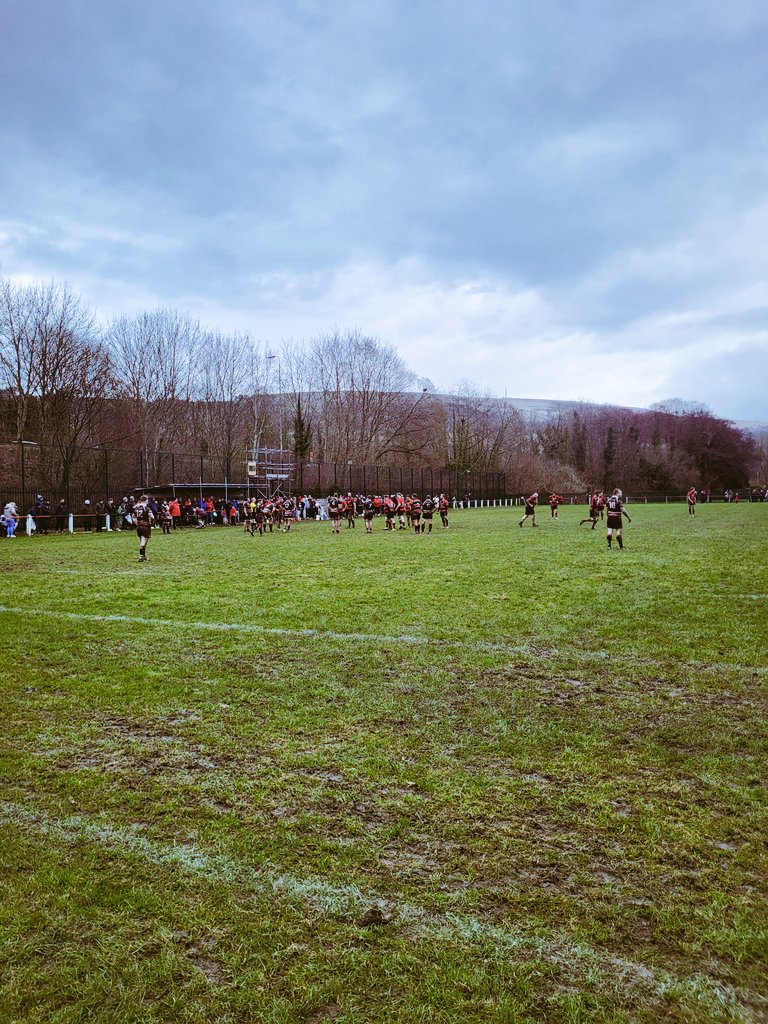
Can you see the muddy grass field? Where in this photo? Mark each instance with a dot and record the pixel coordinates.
(488, 774)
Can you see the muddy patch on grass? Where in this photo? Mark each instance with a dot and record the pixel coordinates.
(209, 968)
(324, 1013)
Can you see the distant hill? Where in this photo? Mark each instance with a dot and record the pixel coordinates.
(548, 406)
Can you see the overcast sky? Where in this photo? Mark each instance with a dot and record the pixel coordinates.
(550, 198)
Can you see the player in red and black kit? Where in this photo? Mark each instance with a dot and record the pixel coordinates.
(530, 508)
(268, 508)
(349, 510)
(259, 518)
(427, 511)
(594, 510)
(401, 507)
(369, 510)
(691, 497)
(277, 512)
(443, 505)
(555, 500)
(415, 512)
(144, 518)
(615, 508)
(334, 512)
(389, 511)
(289, 510)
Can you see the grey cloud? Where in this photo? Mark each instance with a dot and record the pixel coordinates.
(549, 145)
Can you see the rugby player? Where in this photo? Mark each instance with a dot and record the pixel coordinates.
(615, 509)
(334, 512)
(594, 510)
(144, 519)
(427, 511)
(443, 505)
(369, 509)
(530, 508)
(414, 512)
(554, 501)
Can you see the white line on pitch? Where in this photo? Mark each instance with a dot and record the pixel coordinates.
(371, 638)
(350, 901)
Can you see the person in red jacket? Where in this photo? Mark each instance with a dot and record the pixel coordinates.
(175, 509)
(691, 497)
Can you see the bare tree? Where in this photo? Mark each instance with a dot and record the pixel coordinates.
(56, 371)
(18, 346)
(43, 331)
(76, 408)
(229, 408)
(156, 356)
(359, 385)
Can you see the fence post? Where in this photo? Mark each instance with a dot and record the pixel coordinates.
(108, 522)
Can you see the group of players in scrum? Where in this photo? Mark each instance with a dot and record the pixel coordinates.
(406, 509)
(267, 513)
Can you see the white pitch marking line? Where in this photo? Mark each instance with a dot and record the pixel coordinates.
(369, 638)
(350, 901)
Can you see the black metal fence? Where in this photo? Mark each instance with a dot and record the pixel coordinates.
(27, 470)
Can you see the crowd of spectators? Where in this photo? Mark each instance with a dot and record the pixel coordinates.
(171, 514)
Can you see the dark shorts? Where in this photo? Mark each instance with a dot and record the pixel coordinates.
(333, 513)
(144, 531)
(368, 514)
(530, 510)
(427, 515)
(613, 523)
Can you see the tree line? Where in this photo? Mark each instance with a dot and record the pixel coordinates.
(159, 382)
